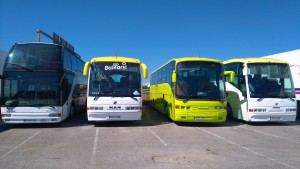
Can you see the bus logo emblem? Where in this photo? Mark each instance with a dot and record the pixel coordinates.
(115, 102)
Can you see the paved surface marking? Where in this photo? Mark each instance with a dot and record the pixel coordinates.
(272, 135)
(294, 127)
(247, 149)
(19, 145)
(161, 140)
(94, 151)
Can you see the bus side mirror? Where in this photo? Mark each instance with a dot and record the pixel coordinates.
(86, 68)
(145, 70)
(174, 76)
(230, 74)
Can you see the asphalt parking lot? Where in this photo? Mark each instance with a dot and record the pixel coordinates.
(152, 143)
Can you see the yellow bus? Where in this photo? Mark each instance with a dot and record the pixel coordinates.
(190, 90)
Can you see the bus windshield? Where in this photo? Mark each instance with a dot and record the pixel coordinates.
(270, 80)
(200, 80)
(115, 79)
(32, 57)
(31, 88)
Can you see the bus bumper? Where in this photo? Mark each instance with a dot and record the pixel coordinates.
(31, 115)
(114, 116)
(201, 117)
(271, 117)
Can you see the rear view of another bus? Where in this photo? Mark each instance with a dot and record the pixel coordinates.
(114, 88)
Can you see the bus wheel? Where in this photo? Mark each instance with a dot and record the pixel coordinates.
(229, 112)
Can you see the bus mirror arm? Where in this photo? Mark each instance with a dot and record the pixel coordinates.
(174, 76)
(230, 74)
(86, 68)
(145, 70)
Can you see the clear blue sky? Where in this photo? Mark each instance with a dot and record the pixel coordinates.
(156, 31)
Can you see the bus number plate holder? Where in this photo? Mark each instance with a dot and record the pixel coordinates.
(274, 118)
(199, 118)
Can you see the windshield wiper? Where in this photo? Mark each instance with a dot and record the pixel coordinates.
(212, 98)
(20, 66)
(291, 99)
(134, 98)
(106, 92)
(188, 98)
(12, 103)
(260, 99)
(206, 97)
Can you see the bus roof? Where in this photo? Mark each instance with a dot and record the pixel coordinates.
(115, 59)
(254, 60)
(183, 59)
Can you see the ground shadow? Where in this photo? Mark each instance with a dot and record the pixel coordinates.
(79, 119)
(290, 123)
(150, 117)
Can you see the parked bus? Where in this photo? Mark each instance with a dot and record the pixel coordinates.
(262, 90)
(292, 57)
(42, 82)
(114, 88)
(189, 90)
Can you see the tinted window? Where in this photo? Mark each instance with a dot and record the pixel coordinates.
(34, 56)
(67, 60)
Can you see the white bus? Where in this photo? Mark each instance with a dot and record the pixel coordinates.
(42, 82)
(262, 90)
(293, 58)
(114, 88)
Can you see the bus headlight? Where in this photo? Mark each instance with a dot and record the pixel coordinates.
(257, 110)
(6, 115)
(54, 115)
(94, 108)
(219, 107)
(133, 108)
(291, 110)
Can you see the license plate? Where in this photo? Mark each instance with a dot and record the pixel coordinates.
(29, 121)
(199, 118)
(114, 117)
(274, 118)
